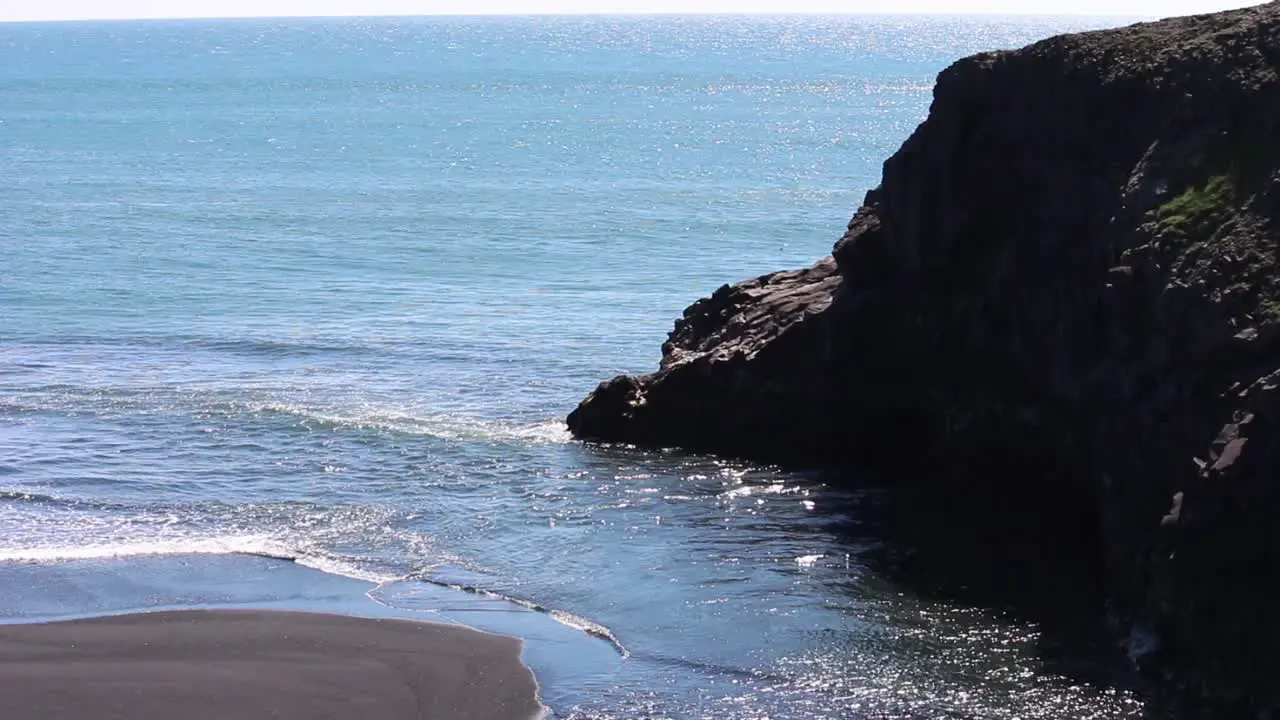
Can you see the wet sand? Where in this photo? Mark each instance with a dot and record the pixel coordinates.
(250, 664)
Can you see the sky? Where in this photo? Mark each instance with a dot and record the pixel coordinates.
(97, 9)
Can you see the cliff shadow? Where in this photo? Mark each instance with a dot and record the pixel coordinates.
(1022, 549)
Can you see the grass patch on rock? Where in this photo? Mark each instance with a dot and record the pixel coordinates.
(1199, 209)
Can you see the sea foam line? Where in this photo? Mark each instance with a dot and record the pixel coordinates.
(410, 421)
(567, 619)
(255, 546)
(443, 426)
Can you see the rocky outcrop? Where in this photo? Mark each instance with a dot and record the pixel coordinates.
(1066, 284)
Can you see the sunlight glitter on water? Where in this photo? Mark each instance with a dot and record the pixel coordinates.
(325, 290)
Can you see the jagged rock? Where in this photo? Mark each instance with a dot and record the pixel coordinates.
(1066, 281)
(732, 379)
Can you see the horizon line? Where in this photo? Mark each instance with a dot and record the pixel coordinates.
(616, 13)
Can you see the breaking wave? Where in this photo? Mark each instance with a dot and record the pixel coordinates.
(256, 546)
(568, 619)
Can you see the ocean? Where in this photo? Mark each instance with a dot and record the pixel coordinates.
(291, 313)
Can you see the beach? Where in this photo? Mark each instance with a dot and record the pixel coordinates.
(246, 664)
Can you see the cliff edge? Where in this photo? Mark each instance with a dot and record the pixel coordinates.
(1066, 284)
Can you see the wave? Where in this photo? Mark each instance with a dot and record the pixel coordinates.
(202, 404)
(276, 348)
(568, 619)
(439, 425)
(250, 545)
(29, 497)
(270, 347)
(266, 547)
(34, 498)
(18, 368)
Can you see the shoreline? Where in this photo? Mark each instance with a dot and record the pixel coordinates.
(251, 663)
(562, 658)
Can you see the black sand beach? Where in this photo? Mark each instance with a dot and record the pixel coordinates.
(248, 664)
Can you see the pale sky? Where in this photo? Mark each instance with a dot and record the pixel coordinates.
(86, 9)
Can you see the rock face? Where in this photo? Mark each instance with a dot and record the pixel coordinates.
(1067, 283)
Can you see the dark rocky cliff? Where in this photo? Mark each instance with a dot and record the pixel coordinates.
(1065, 287)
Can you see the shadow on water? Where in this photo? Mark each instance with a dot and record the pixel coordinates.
(1031, 556)
(985, 599)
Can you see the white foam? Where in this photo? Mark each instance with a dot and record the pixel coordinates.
(256, 545)
(409, 419)
(578, 622)
(774, 489)
(245, 544)
(344, 568)
(441, 425)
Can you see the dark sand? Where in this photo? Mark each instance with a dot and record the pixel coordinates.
(250, 664)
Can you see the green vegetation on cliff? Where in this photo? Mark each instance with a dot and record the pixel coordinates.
(1200, 209)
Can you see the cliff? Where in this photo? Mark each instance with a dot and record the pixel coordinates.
(1065, 287)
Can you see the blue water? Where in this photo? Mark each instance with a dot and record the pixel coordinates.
(325, 289)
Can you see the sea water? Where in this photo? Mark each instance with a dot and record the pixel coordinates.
(323, 290)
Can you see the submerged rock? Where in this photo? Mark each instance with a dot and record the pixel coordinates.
(1066, 285)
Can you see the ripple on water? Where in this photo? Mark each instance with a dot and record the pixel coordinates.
(353, 346)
